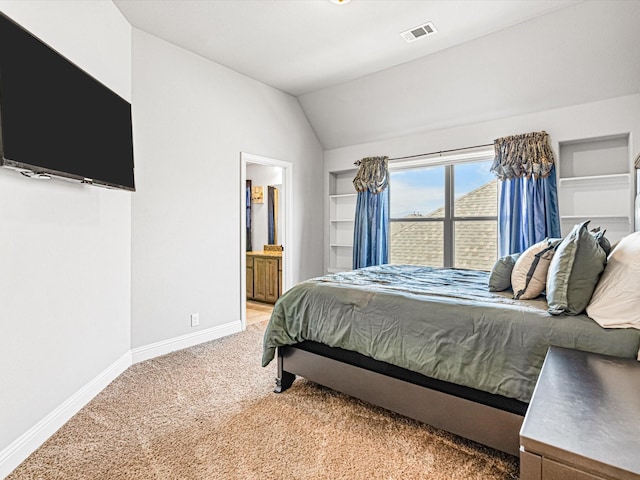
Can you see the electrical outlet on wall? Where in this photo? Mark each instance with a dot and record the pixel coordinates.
(195, 319)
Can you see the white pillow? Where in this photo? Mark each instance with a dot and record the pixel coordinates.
(529, 274)
(615, 303)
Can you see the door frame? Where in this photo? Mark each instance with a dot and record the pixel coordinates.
(287, 235)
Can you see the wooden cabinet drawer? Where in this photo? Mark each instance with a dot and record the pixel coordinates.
(557, 471)
(530, 466)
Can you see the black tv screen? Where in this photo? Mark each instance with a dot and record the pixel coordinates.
(56, 119)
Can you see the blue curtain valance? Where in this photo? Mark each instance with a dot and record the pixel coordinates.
(373, 174)
(527, 155)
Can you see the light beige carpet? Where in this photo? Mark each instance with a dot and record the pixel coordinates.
(208, 412)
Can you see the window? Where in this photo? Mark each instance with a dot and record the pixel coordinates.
(444, 215)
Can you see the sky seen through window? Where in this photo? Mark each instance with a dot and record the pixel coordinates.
(420, 191)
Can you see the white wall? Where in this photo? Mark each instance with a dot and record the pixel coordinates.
(607, 117)
(64, 247)
(584, 53)
(264, 176)
(192, 119)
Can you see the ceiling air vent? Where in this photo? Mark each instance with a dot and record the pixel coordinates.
(420, 31)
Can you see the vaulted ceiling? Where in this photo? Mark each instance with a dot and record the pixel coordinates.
(358, 80)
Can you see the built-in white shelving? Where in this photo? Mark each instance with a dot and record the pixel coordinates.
(613, 217)
(595, 183)
(617, 178)
(342, 208)
(341, 195)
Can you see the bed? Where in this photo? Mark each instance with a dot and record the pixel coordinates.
(431, 344)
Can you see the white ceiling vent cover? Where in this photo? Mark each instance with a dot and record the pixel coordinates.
(418, 32)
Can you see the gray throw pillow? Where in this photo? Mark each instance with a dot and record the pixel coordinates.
(602, 240)
(574, 271)
(500, 277)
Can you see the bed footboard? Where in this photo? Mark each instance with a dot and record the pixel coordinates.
(484, 424)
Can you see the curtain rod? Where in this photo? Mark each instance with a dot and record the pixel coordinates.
(441, 152)
(435, 153)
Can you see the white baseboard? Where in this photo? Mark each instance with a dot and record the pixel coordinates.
(28, 442)
(153, 350)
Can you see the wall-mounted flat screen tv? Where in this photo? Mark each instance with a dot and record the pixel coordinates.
(55, 119)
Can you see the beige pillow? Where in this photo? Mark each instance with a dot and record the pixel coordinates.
(529, 275)
(615, 302)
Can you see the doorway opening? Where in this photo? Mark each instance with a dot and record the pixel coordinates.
(265, 234)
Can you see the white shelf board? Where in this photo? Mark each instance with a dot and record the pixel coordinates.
(343, 195)
(342, 220)
(597, 178)
(570, 217)
(601, 217)
(341, 245)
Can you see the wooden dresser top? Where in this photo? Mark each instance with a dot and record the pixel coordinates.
(585, 411)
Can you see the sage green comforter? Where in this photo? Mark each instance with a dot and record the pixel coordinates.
(443, 323)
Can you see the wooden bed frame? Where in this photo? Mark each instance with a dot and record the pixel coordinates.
(481, 422)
